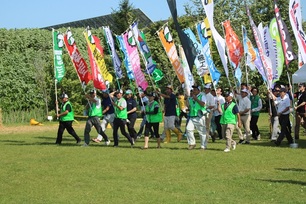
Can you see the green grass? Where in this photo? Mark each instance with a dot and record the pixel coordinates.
(34, 170)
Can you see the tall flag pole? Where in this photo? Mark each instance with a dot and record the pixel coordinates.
(277, 48)
(77, 60)
(111, 45)
(219, 41)
(95, 47)
(295, 16)
(264, 59)
(189, 48)
(59, 68)
(169, 46)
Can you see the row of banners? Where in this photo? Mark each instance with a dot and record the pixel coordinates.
(273, 50)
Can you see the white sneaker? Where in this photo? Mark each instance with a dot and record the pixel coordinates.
(258, 137)
(107, 142)
(85, 145)
(227, 150)
(234, 145)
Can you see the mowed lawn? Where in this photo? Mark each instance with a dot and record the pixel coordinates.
(35, 170)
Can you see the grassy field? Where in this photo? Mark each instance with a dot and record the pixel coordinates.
(34, 170)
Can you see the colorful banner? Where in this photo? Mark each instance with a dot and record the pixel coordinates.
(97, 78)
(114, 55)
(77, 60)
(189, 48)
(189, 80)
(266, 62)
(249, 50)
(219, 41)
(234, 46)
(279, 54)
(95, 47)
(169, 46)
(295, 16)
(58, 43)
(126, 60)
(133, 55)
(204, 32)
(285, 36)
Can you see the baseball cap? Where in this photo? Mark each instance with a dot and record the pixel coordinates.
(207, 86)
(169, 87)
(128, 91)
(228, 93)
(119, 91)
(244, 90)
(64, 96)
(196, 87)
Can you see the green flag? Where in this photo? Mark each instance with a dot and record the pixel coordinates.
(157, 75)
(59, 68)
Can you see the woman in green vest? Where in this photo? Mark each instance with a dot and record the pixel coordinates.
(230, 116)
(154, 117)
(66, 117)
(256, 106)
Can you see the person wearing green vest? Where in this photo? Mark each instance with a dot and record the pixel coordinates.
(94, 114)
(256, 106)
(154, 117)
(197, 116)
(230, 116)
(66, 117)
(121, 115)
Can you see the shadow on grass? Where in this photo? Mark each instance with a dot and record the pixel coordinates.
(302, 183)
(291, 169)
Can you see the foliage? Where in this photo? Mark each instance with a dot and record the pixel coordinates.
(26, 55)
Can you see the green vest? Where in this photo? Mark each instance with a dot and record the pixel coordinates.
(195, 107)
(120, 113)
(70, 115)
(94, 111)
(227, 116)
(254, 104)
(154, 118)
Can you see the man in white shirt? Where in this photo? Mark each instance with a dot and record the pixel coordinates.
(283, 111)
(244, 107)
(210, 105)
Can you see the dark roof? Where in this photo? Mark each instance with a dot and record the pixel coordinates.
(106, 20)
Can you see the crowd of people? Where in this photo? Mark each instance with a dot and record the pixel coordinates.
(212, 112)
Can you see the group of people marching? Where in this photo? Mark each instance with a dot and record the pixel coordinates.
(211, 112)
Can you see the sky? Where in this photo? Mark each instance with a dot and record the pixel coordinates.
(43, 13)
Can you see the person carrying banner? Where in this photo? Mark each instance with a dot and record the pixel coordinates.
(218, 99)
(256, 106)
(94, 114)
(154, 117)
(121, 115)
(229, 118)
(66, 117)
(244, 107)
(210, 104)
(197, 117)
(170, 114)
(300, 110)
(131, 111)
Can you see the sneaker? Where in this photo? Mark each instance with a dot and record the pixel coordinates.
(227, 150)
(79, 141)
(85, 145)
(107, 142)
(240, 141)
(191, 147)
(202, 148)
(258, 137)
(234, 145)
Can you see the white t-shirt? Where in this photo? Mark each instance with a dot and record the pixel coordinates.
(282, 104)
(244, 103)
(221, 100)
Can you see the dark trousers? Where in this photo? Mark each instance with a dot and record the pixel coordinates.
(149, 127)
(254, 127)
(93, 121)
(284, 122)
(68, 126)
(219, 127)
(120, 123)
(142, 125)
(182, 114)
(131, 128)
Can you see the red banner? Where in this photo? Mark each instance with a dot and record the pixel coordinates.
(97, 78)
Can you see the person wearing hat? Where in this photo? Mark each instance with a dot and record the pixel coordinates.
(210, 104)
(300, 110)
(170, 114)
(66, 117)
(283, 111)
(229, 118)
(94, 114)
(143, 101)
(273, 116)
(131, 111)
(108, 114)
(121, 116)
(256, 106)
(197, 116)
(218, 99)
(154, 117)
(244, 107)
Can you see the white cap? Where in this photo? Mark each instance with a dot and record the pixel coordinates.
(207, 86)
(245, 90)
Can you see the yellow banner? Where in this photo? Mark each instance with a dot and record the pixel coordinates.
(168, 44)
(97, 51)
